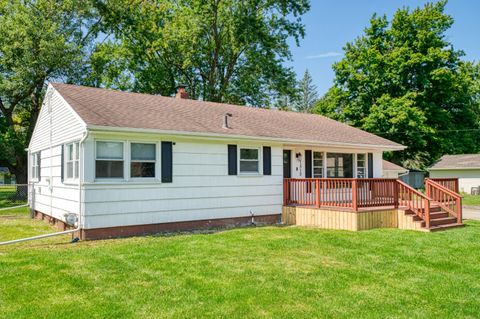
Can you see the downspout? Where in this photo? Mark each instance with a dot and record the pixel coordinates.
(81, 163)
(79, 225)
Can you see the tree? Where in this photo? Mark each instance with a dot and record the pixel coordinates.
(404, 80)
(307, 93)
(224, 50)
(39, 41)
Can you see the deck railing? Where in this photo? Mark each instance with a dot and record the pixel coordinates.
(351, 193)
(414, 201)
(449, 200)
(449, 183)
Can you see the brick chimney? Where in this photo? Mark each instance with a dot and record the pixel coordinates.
(181, 93)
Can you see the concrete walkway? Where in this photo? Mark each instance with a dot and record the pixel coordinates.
(471, 212)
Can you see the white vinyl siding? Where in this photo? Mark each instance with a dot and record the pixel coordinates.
(200, 189)
(57, 125)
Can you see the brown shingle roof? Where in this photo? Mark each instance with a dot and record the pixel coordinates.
(463, 161)
(389, 166)
(101, 107)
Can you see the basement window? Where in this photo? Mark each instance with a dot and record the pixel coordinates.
(109, 159)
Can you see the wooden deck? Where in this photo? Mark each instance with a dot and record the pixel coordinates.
(358, 204)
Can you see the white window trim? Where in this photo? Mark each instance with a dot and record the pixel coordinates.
(75, 161)
(324, 154)
(156, 161)
(126, 166)
(365, 165)
(260, 161)
(35, 168)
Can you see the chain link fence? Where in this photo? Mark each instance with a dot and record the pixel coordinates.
(14, 195)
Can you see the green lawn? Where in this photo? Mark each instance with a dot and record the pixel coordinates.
(266, 272)
(473, 200)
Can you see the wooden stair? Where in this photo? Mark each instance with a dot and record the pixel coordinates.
(439, 220)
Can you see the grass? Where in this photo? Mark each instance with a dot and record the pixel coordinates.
(472, 200)
(266, 272)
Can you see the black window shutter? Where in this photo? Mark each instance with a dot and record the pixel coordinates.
(39, 163)
(267, 160)
(63, 160)
(167, 163)
(308, 164)
(232, 159)
(370, 165)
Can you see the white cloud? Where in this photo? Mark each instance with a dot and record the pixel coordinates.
(324, 55)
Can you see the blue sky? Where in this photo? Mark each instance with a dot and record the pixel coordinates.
(331, 24)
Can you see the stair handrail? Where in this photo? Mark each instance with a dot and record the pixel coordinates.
(458, 198)
(410, 204)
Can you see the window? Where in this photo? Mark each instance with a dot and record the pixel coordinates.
(249, 162)
(317, 164)
(109, 160)
(71, 160)
(36, 166)
(142, 160)
(361, 166)
(339, 165)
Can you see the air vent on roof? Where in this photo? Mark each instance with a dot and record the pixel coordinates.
(225, 120)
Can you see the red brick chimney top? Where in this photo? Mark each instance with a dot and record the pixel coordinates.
(181, 93)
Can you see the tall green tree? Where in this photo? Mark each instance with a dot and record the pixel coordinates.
(307, 93)
(403, 80)
(40, 40)
(224, 50)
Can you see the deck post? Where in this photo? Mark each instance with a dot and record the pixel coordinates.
(426, 204)
(317, 193)
(354, 195)
(459, 209)
(396, 191)
(285, 192)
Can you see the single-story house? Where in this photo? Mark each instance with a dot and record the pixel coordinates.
(392, 170)
(128, 163)
(465, 167)
(4, 176)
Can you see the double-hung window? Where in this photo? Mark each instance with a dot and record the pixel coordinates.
(143, 157)
(317, 164)
(249, 161)
(109, 159)
(36, 166)
(361, 166)
(71, 161)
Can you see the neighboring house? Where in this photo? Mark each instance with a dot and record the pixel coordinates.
(465, 167)
(391, 170)
(130, 163)
(3, 175)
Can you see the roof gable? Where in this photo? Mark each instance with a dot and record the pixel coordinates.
(116, 109)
